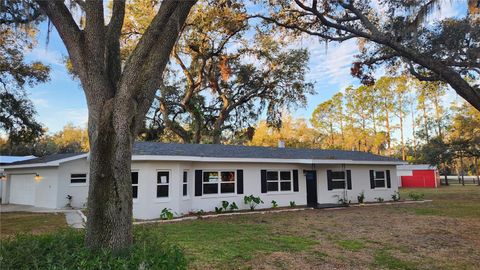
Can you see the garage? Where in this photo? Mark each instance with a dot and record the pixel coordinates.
(22, 189)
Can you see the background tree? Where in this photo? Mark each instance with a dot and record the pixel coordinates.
(393, 34)
(232, 71)
(18, 36)
(118, 97)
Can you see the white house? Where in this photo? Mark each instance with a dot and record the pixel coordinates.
(191, 177)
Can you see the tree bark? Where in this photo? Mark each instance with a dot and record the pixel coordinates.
(117, 100)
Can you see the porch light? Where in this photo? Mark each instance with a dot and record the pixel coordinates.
(37, 178)
(3, 177)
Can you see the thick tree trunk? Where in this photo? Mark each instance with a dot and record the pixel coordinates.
(109, 197)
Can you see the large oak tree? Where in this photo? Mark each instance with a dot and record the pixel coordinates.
(118, 94)
(394, 32)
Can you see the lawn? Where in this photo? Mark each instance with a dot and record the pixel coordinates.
(12, 223)
(442, 234)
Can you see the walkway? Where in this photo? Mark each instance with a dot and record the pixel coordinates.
(75, 218)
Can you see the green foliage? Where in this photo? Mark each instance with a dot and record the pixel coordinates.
(396, 196)
(252, 201)
(225, 205)
(361, 197)
(293, 204)
(274, 204)
(66, 250)
(218, 210)
(233, 206)
(416, 196)
(166, 214)
(379, 199)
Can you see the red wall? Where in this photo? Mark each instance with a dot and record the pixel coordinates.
(420, 178)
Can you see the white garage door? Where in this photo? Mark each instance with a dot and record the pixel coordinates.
(22, 189)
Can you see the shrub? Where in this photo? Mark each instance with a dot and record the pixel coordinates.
(416, 196)
(218, 210)
(361, 197)
(65, 250)
(225, 205)
(233, 206)
(252, 201)
(292, 204)
(379, 199)
(166, 214)
(274, 204)
(396, 196)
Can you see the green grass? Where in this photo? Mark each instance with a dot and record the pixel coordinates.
(454, 201)
(23, 222)
(352, 245)
(226, 242)
(383, 258)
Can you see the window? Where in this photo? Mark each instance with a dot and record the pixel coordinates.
(134, 176)
(78, 178)
(338, 180)
(215, 182)
(379, 179)
(185, 183)
(163, 182)
(279, 181)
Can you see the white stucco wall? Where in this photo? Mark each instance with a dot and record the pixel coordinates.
(45, 189)
(79, 192)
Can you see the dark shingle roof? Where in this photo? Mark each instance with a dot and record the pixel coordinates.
(230, 151)
(237, 151)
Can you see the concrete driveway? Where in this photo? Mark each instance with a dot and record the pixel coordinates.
(75, 218)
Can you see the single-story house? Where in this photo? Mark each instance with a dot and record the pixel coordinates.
(192, 177)
(418, 175)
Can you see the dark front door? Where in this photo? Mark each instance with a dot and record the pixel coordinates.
(311, 177)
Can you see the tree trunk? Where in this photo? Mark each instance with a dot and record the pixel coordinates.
(109, 197)
(477, 166)
(402, 141)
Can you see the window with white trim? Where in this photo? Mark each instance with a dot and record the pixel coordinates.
(279, 181)
(185, 183)
(134, 176)
(338, 179)
(163, 184)
(78, 178)
(219, 182)
(380, 180)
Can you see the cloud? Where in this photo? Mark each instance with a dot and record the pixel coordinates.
(40, 102)
(331, 65)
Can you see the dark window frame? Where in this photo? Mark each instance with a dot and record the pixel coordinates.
(219, 187)
(338, 183)
(159, 184)
(78, 178)
(134, 185)
(185, 183)
(380, 179)
(276, 184)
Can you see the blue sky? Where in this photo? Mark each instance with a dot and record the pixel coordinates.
(61, 100)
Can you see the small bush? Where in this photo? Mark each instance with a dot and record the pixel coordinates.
(292, 204)
(218, 210)
(416, 196)
(233, 206)
(225, 205)
(252, 201)
(379, 199)
(166, 214)
(361, 197)
(65, 250)
(396, 196)
(274, 204)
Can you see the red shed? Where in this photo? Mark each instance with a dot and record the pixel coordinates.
(419, 175)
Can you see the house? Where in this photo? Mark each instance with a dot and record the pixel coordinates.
(191, 177)
(418, 175)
